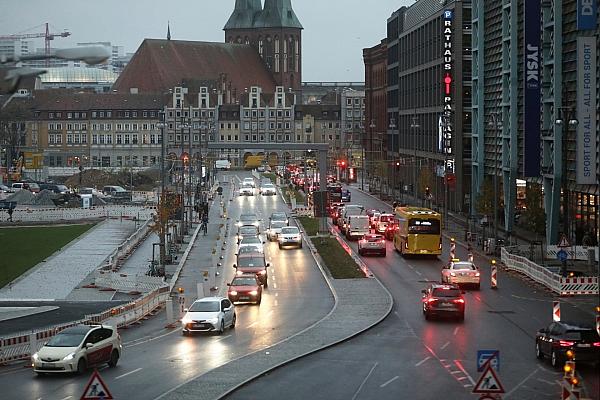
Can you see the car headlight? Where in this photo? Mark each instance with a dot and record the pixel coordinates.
(238, 272)
(255, 224)
(263, 272)
(233, 293)
(186, 320)
(452, 274)
(212, 320)
(69, 357)
(253, 293)
(35, 357)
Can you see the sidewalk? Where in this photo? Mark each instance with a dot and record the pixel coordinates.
(55, 277)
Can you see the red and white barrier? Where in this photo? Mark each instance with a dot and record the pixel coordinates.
(556, 311)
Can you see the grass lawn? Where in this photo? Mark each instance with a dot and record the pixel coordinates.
(23, 248)
(311, 225)
(271, 176)
(339, 263)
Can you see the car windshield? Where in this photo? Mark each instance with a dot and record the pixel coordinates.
(250, 240)
(248, 230)
(251, 262)
(278, 216)
(248, 217)
(424, 226)
(289, 230)
(66, 339)
(373, 238)
(244, 282)
(247, 185)
(269, 186)
(205, 306)
(277, 224)
(249, 249)
(463, 265)
(441, 292)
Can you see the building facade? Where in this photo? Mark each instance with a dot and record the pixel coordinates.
(353, 118)
(536, 109)
(429, 101)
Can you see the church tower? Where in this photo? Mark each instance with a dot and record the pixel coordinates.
(275, 32)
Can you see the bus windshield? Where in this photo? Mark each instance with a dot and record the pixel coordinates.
(424, 226)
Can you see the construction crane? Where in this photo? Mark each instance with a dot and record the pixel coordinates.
(46, 35)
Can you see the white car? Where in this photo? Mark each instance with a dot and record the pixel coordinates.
(77, 348)
(254, 241)
(249, 181)
(275, 229)
(372, 243)
(246, 189)
(209, 314)
(268, 189)
(289, 236)
(461, 273)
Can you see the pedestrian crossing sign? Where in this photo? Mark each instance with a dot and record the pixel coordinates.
(488, 382)
(96, 389)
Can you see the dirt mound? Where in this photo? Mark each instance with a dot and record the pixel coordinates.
(145, 180)
(23, 196)
(45, 198)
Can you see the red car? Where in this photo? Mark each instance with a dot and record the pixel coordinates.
(253, 263)
(245, 289)
(443, 300)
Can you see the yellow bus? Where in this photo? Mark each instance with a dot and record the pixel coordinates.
(419, 231)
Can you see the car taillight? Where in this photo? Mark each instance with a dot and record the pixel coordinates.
(459, 301)
(440, 244)
(565, 343)
(477, 274)
(406, 245)
(382, 241)
(452, 273)
(596, 344)
(432, 300)
(263, 272)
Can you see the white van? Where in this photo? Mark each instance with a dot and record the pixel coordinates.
(223, 164)
(350, 209)
(358, 226)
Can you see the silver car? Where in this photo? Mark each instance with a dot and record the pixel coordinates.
(290, 236)
(275, 229)
(209, 314)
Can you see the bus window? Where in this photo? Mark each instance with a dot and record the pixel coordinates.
(424, 226)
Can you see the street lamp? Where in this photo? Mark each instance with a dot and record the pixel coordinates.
(415, 125)
(162, 200)
(183, 126)
(496, 123)
(393, 127)
(568, 114)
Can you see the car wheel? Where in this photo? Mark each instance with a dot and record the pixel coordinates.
(360, 252)
(266, 283)
(427, 316)
(300, 245)
(554, 359)
(461, 317)
(280, 247)
(383, 254)
(538, 350)
(221, 328)
(114, 359)
(38, 373)
(478, 286)
(81, 366)
(233, 321)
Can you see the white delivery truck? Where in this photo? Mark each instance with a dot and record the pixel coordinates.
(358, 226)
(223, 164)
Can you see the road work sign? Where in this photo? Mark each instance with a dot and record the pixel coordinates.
(96, 389)
(488, 382)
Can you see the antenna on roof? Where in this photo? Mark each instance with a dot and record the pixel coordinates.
(168, 30)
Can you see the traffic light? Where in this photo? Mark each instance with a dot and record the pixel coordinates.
(427, 192)
(343, 164)
(180, 290)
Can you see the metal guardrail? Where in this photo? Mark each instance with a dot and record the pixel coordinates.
(22, 346)
(563, 286)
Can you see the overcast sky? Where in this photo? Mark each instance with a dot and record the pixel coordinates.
(350, 25)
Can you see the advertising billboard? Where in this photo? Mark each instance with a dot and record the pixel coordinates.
(531, 90)
(587, 11)
(587, 107)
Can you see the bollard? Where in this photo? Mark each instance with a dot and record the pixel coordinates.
(200, 290)
(205, 283)
(169, 308)
(470, 252)
(494, 275)
(556, 311)
(452, 249)
(212, 278)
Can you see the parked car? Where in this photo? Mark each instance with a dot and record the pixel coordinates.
(59, 189)
(372, 243)
(77, 348)
(554, 341)
(117, 193)
(209, 314)
(5, 189)
(443, 300)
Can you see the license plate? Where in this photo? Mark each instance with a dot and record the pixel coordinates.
(445, 305)
(584, 345)
(47, 365)
(423, 251)
(244, 298)
(373, 245)
(197, 325)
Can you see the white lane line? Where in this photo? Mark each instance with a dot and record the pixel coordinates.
(128, 373)
(445, 345)
(460, 366)
(455, 331)
(547, 382)
(252, 324)
(422, 361)
(276, 294)
(67, 398)
(152, 339)
(418, 273)
(276, 302)
(388, 382)
(521, 383)
(364, 381)
(457, 372)
(274, 285)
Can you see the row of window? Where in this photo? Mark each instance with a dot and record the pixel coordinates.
(272, 114)
(102, 114)
(57, 126)
(120, 139)
(186, 114)
(358, 101)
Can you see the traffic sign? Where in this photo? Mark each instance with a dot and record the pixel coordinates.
(483, 356)
(556, 311)
(564, 242)
(567, 394)
(488, 382)
(562, 255)
(96, 389)
(598, 324)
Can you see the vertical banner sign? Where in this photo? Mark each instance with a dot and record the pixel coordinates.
(587, 108)
(448, 128)
(531, 76)
(586, 14)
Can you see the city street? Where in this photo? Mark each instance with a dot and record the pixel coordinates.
(297, 297)
(407, 354)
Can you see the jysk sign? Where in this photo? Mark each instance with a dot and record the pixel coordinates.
(587, 107)
(531, 76)
(446, 120)
(587, 11)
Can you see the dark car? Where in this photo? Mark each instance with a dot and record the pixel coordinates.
(53, 187)
(346, 196)
(558, 337)
(443, 300)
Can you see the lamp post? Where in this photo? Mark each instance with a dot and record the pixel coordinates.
(184, 126)
(415, 125)
(496, 123)
(371, 152)
(568, 114)
(190, 169)
(392, 128)
(162, 201)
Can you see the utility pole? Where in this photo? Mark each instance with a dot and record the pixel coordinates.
(415, 126)
(162, 200)
(190, 169)
(568, 114)
(496, 124)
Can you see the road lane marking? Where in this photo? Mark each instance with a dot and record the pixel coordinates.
(422, 361)
(66, 398)
(445, 345)
(460, 366)
(252, 324)
(548, 382)
(521, 383)
(274, 285)
(364, 381)
(455, 331)
(418, 273)
(126, 374)
(388, 382)
(151, 339)
(276, 303)
(276, 294)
